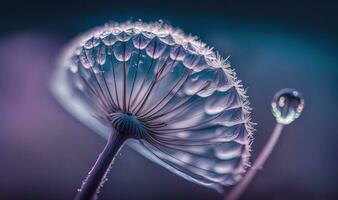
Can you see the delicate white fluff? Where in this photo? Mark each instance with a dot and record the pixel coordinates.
(192, 114)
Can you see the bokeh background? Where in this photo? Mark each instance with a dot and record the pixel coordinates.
(45, 152)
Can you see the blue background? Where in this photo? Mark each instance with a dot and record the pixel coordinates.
(45, 152)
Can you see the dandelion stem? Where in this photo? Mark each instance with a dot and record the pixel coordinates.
(97, 175)
(238, 190)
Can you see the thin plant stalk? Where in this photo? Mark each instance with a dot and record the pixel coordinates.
(238, 190)
(97, 175)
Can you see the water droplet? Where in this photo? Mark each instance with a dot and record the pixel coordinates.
(91, 43)
(155, 48)
(108, 38)
(193, 79)
(194, 84)
(168, 39)
(73, 67)
(86, 58)
(287, 105)
(177, 53)
(101, 55)
(79, 83)
(201, 64)
(110, 51)
(97, 70)
(140, 41)
(121, 52)
(148, 34)
(221, 101)
(123, 36)
(131, 31)
(228, 150)
(190, 61)
(225, 167)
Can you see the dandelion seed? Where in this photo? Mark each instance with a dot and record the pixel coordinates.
(178, 100)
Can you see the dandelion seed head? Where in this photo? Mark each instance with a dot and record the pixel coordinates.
(177, 97)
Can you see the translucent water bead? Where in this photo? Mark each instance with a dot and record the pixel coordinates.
(287, 105)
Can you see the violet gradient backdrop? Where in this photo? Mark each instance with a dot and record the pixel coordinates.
(45, 152)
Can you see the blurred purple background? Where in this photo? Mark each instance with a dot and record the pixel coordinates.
(45, 152)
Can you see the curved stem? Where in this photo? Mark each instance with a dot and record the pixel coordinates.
(237, 191)
(97, 175)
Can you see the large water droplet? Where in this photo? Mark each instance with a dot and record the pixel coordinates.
(287, 105)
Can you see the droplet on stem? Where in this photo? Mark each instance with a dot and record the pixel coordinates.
(287, 105)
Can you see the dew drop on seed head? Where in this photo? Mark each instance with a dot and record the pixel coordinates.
(287, 105)
(91, 43)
